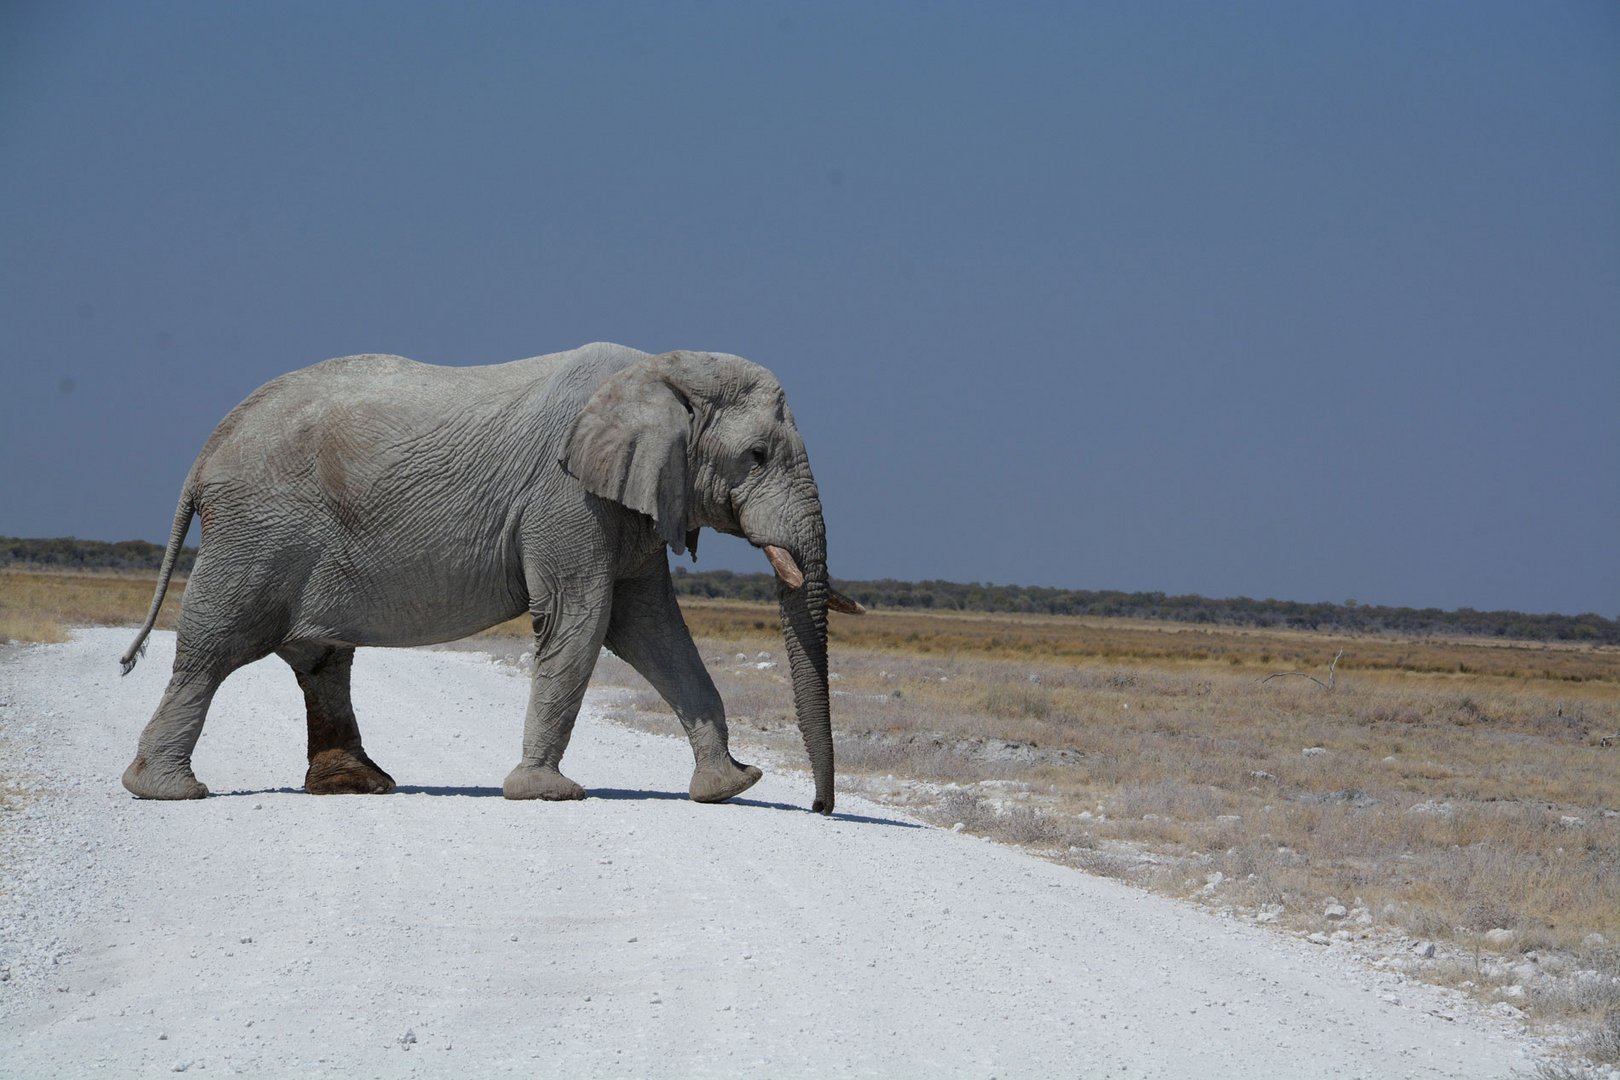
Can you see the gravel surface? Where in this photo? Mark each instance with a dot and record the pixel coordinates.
(443, 931)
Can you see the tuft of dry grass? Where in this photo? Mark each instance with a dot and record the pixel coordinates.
(22, 627)
(1602, 1043)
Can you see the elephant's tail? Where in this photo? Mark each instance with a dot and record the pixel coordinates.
(177, 536)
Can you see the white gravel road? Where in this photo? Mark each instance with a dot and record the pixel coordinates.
(442, 931)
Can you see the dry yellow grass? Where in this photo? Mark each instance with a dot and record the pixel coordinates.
(1046, 637)
(41, 605)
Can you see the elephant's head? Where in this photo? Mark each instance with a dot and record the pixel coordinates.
(704, 440)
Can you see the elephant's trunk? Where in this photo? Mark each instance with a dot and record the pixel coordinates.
(804, 632)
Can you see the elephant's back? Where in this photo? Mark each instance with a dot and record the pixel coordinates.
(371, 379)
(277, 411)
(384, 394)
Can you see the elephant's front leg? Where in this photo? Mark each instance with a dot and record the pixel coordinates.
(566, 644)
(649, 634)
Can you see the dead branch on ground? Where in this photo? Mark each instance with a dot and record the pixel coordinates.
(1331, 679)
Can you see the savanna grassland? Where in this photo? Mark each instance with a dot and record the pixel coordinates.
(1453, 793)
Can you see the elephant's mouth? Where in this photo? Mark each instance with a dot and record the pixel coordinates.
(788, 572)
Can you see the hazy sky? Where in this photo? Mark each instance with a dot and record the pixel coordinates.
(1298, 300)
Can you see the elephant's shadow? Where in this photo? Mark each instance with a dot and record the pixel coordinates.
(597, 793)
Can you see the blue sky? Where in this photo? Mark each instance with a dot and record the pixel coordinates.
(1299, 300)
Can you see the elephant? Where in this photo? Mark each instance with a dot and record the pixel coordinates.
(374, 500)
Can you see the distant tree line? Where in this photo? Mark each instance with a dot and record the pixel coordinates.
(1350, 617)
(70, 553)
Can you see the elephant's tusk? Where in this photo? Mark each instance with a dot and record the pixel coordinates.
(793, 577)
(839, 602)
(785, 567)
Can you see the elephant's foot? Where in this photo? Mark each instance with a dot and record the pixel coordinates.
(539, 782)
(346, 772)
(145, 780)
(718, 781)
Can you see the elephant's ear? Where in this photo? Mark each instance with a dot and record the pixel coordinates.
(630, 444)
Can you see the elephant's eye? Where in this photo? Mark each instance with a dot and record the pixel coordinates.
(757, 454)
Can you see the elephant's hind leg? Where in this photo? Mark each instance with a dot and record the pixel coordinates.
(338, 764)
(162, 765)
(223, 625)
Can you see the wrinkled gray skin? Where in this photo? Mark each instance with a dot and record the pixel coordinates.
(373, 500)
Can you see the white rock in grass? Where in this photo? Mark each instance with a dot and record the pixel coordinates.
(1314, 751)
(1499, 936)
(1438, 809)
(1334, 912)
